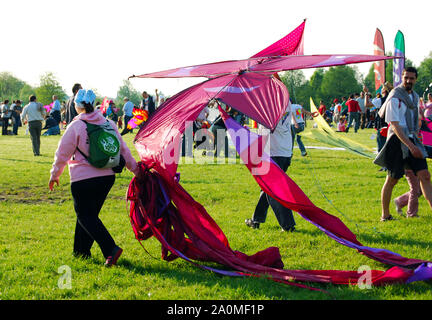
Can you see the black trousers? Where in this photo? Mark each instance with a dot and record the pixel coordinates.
(5, 124)
(89, 196)
(283, 215)
(35, 129)
(125, 129)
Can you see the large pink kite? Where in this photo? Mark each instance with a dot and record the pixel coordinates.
(161, 207)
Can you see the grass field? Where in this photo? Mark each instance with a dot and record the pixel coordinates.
(37, 227)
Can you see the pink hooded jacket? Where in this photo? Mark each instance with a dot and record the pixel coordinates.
(76, 136)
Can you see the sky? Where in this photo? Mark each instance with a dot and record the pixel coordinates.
(101, 43)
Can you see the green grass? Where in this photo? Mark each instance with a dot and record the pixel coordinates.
(37, 227)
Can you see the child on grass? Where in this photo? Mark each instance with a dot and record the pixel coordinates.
(341, 124)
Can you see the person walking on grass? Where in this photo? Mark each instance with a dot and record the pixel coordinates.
(6, 115)
(70, 112)
(281, 153)
(353, 113)
(89, 185)
(402, 150)
(16, 116)
(34, 114)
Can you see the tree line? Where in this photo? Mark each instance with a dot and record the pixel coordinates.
(325, 84)
(12, 88)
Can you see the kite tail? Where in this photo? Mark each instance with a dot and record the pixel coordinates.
(155, 210)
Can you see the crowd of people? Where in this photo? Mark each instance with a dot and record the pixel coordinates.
(357, 110)
(55, 117)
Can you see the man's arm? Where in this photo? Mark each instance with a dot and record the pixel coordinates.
(310, 114)
(415, 151)
(294, 120)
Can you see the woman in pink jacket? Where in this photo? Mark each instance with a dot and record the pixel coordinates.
(89, 185)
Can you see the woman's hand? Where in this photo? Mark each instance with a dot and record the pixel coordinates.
(51, 183)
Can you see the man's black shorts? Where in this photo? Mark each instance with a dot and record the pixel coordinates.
(397, 165)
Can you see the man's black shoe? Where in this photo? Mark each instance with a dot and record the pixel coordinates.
(292, 229)
(252, 224)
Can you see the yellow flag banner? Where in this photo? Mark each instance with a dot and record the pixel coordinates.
(325, 134)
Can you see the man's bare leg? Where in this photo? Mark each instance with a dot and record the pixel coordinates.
(386, 194)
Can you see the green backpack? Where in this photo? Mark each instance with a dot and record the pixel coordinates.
(104, 147)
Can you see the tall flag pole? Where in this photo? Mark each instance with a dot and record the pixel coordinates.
(379, 66)
(398, 64)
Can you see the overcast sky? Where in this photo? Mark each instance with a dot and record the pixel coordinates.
(100, 43)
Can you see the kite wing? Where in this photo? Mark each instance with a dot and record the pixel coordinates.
(291, 44)
(264, 64)
(261, 97)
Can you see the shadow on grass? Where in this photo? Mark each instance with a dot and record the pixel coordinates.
(254, 286)
(50, 161)
(378, 238)
(383, 239)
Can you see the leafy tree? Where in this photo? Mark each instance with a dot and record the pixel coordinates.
(26, 92)
(10, 86)
(127, 90)
(298, 86)
(338, 82)
(48, 87)
(315, 83)
(424, 74)
(369, 81)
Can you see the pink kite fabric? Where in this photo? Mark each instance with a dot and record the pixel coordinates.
(426, 132)
(160, 207)
(104, 105)
(291, 44)
(250, 94)
(48, 107)
(279, 186)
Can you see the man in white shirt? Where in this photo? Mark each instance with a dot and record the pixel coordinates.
(402, 149)
(361, 101)
(34, 113)
(127, 114)
(147, 103)
(377, 101)
(281, 152)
